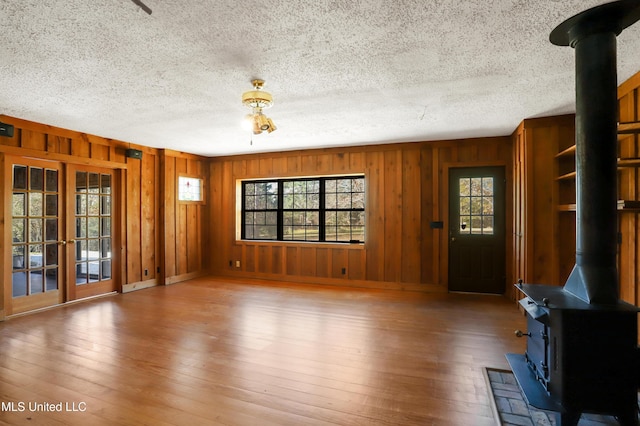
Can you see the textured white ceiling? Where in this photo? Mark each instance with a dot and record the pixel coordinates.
(342, 72)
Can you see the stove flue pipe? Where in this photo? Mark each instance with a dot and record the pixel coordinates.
(592, 34)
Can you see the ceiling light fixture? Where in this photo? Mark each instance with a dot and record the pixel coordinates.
(258, 100)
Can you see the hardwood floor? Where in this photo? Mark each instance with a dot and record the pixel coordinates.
(209, 352)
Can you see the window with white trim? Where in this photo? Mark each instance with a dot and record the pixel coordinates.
(189, 189)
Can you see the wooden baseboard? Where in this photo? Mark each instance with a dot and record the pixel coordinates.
(139, 285)
(155, 282)
(184, 277)
(59, 305)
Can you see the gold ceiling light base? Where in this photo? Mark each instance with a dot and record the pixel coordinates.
(258, 100)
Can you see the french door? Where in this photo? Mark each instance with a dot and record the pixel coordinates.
(89, 226)
(61, 233)
(36, 236)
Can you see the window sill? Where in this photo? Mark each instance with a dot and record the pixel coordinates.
(348, 246)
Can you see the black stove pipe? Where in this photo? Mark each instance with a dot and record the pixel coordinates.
(592, 33)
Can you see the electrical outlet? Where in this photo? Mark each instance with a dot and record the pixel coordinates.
(237, 263)
(146, 272)
(344, 271)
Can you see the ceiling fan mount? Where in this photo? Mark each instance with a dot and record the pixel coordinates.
(257, 99)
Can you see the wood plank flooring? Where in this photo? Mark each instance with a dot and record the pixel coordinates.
(210, 351)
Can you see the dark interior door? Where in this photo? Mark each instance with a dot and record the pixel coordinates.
(477, 230)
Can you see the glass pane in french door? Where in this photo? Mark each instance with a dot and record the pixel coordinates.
(93, 241)
(34, 234)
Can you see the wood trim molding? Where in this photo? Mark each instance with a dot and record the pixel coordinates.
(308, 244)
(184, 277)
(64, 158)
(551, 121)
(180, 154)
(127, 288)
(379, 148)
(58, 131)
(629, 85)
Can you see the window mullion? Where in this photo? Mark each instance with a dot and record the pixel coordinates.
(280, 214)
(321, 213)
(243, 224)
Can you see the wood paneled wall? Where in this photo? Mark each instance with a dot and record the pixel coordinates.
(184, 225)
(406, 190)
(161, 240)
(544, 198)
(141, 213)
(165, 241)
(544, 236)
(629, 189)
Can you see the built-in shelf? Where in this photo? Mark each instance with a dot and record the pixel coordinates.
(622, 162)
(629, 128)
(569, 151)
(622, 205)
(570, 175)
(628, 162)
(624, 130)
(566, 207)
(629, 205)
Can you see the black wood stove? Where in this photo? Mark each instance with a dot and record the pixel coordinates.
(582, 351)
(580, 357)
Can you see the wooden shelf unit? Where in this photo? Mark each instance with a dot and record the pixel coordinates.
(567, 152)
(544, 174)
(629, 128)
(628, 162)
(566, 207)
(629, 189)
(622, 206)
(566, 171)
(566, 176)
(629, 205)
